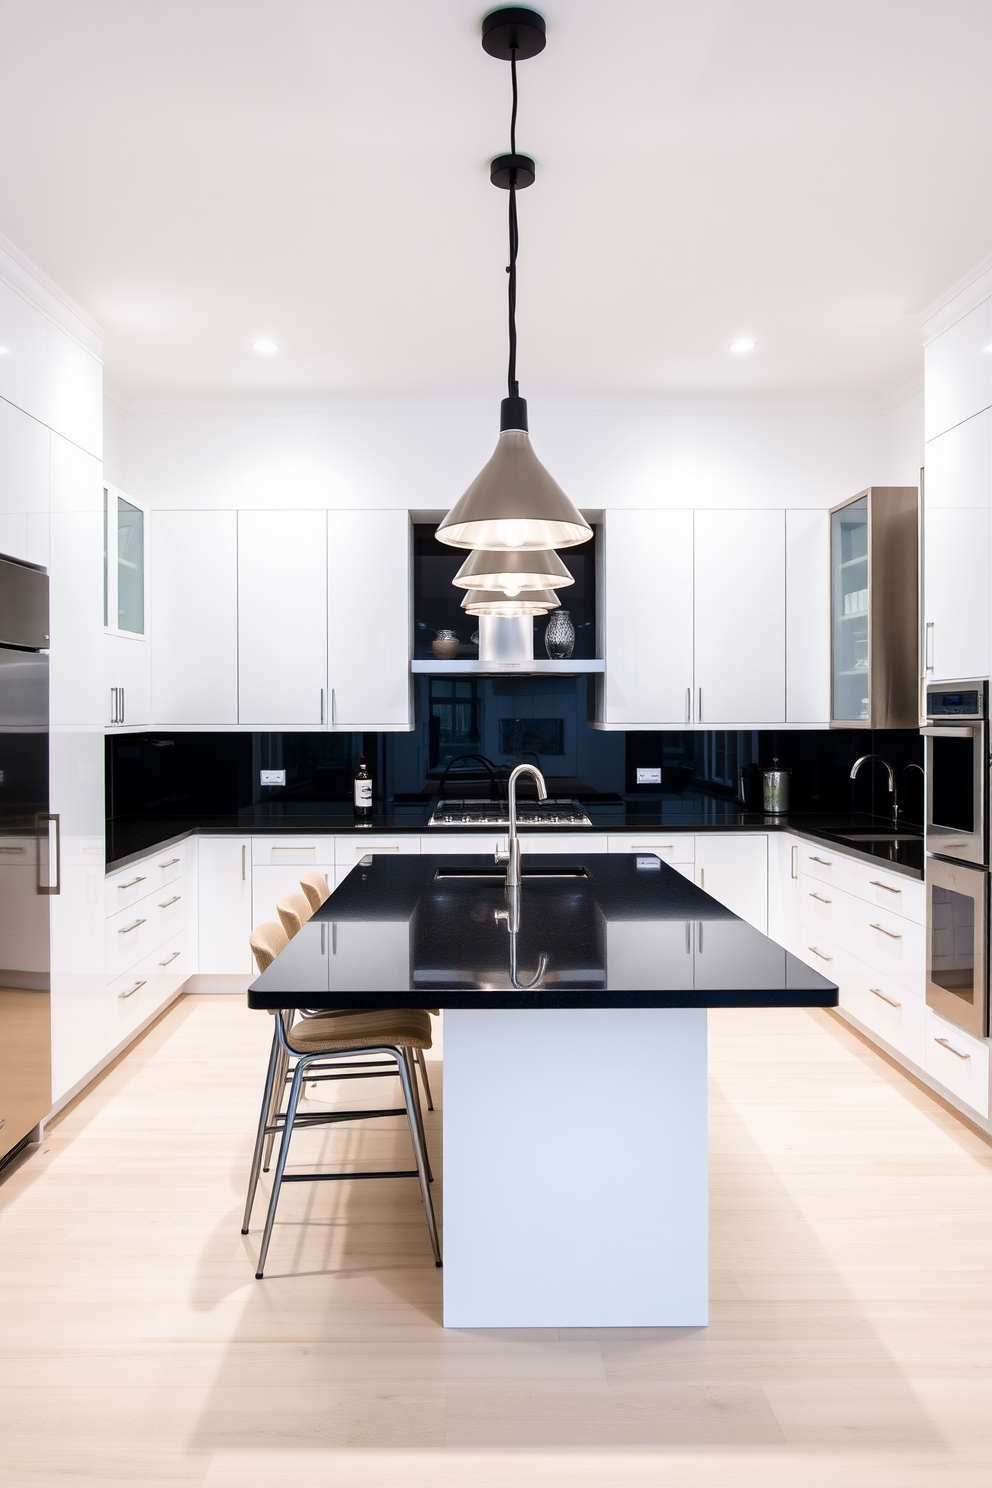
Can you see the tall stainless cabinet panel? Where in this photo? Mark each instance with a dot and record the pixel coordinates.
(874, 609)
(29, 864)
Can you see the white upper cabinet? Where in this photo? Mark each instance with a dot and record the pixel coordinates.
(195, 604)
(368, 620)
(739, 612)
(24, 461)
(282, 618)
(75, 392)
(956, 553)
(807, 617)
(957, 373)
(647, 618)
(24, 359)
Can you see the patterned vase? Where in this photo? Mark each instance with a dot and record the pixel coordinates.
(446, 646)
(559, 636)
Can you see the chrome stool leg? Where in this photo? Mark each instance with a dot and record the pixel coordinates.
(411, 1069)
(264, 1120)
(280, 1085)
(421, 1155)
(299, 1074)
(422, 1065)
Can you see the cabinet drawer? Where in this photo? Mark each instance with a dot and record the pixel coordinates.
(830, 912)
(167, 866)
(271, 882)
(892, 945)
(127, 1004)
(679, 847)
(166, 969)
(891, 891)
(129, 939)
(959, 1062)
(128, 885)
(308, 852)
(825, 957)
(829, 866)
(166, 911)
(564, 842)
(888, 1009)
(458, 842)
(350, 850)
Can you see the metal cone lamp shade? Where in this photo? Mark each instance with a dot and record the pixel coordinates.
(495, 602)
(514, 504)
(512, 572)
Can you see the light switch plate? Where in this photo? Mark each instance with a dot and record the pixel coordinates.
(649, 776)
(272, 777)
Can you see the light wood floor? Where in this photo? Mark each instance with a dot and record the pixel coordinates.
(851, 1334)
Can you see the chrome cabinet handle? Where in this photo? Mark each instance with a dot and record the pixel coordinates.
(928, 646)
(890, 933)
(688, 704)
(795, 862)
(700, 718)
(20, 850)
(168, 959)
(131, 990)
(113, 706)
(48, 818)
(168, 863)
(891, 1001)
(819, 953)
(334, 708)
(876, 883)
(174, 900)
(702, 877)
(321, 705)
(824, 862)
(126, 929)
(121, 691)
(131, 882)
(950, 1046)
(244, 851)
(820, 898)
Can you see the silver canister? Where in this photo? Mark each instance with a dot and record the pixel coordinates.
(776, 789)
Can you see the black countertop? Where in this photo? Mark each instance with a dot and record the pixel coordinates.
(131, 837)
(609, 930)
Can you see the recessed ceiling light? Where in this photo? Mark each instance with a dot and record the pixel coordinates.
(265, 347)
(5, 349)
(742, 345)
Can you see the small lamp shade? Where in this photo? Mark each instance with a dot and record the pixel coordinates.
(495, 602)
(513, 573)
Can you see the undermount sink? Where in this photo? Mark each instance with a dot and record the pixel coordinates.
(497, 870)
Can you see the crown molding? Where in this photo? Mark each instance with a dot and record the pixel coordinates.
(116, 400)
(912, 388)
(35, 286)
(957, 301)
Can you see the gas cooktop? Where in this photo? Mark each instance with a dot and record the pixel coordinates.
(454, 813)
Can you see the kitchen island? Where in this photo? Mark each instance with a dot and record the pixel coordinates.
(575, 1129)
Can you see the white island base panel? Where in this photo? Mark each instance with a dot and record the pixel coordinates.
(575, 1168)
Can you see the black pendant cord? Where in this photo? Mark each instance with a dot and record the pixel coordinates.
(511, 376)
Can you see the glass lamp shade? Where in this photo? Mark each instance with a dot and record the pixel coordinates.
(513, 573)
(514, 505)
(493, 602)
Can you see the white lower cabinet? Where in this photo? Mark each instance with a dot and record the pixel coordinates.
(272, 882)
(348, 851)
(958, 1062)
(733, 867)
(225, 908)
(783, 890)
(147, 952)
(676, 848)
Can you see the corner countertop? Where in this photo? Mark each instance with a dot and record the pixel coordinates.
(600, 930)
(132, 838)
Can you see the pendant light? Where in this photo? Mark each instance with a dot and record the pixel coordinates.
(514, 573)
(496, 602)
(514, 504)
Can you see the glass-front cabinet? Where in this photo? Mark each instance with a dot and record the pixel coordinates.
(874, 610)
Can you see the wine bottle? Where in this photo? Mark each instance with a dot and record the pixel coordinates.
(363, 792)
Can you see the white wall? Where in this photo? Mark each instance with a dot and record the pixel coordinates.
(114, 425)
(422, 455)
(902, 435)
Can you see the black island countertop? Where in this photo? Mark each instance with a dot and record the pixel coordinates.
(595, 931)
(130, 838)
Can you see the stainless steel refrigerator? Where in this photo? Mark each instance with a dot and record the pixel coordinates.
(29, 855)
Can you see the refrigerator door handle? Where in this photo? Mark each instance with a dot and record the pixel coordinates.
(45, 818)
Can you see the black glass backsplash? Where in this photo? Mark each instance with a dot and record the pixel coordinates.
(182, 779)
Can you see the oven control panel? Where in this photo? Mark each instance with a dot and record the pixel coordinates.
(964, 702)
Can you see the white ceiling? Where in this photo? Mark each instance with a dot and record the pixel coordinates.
(198, 173)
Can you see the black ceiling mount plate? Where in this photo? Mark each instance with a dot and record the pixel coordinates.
(512, 170)
(513, 30)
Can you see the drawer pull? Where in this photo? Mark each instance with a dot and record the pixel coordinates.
(876, 883)
(126, 929)
(820, 954)
(169, 862)
(946, 1045)
(131, 990)
(304, 847)
(890, 1000)
(653, 847)
(169, 959)
(132, 881)
(826, 862)
(820, 898)
(890, 933)
(13, 850)
(174, 900)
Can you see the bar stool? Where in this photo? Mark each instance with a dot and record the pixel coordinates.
(294, 910)
(316, 888)
(321, 1042)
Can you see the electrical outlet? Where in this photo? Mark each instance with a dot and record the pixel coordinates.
(649, 776)
(272, 777)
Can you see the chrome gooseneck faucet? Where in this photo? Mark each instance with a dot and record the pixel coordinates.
(892, 781)
(512, 856)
